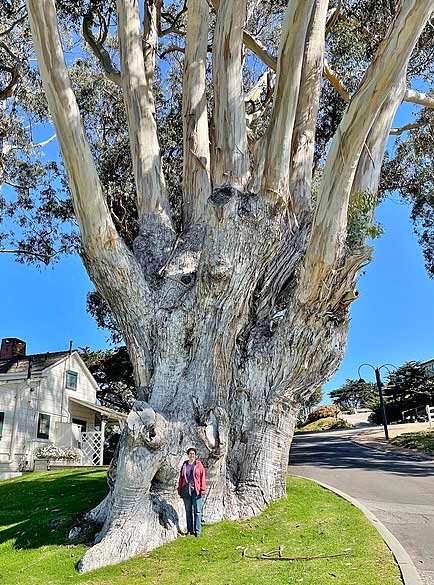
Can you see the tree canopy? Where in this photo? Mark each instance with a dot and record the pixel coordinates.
(35, 207)
(113, 373)
(409, 386)
(354, 394)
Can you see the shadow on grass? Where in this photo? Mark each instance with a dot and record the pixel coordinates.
(40, 509)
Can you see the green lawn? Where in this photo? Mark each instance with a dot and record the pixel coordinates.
(309, 522)
(422, 441)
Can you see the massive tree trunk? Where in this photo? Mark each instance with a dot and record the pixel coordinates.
(233, 322)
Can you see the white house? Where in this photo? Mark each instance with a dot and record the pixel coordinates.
(48, 398)
(428, 365)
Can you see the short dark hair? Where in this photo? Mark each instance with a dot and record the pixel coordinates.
(191, 449)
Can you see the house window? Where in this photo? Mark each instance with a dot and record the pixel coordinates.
(71, 380)
(43, 426)
(2, 419)
(82, 423)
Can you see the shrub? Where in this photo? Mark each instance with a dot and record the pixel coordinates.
(325, 424)
(323, 412)
(55, 453)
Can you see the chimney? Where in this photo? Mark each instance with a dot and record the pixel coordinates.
(12, 347)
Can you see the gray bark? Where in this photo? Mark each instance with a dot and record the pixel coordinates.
(233, 322)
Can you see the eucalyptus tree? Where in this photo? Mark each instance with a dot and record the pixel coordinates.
(235, 310)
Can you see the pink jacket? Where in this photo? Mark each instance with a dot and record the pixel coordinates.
(199, 478)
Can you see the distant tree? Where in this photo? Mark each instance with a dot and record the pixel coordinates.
(354, 394)
(113, 373)
(410, 386)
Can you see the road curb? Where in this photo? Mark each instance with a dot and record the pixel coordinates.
(409, 573)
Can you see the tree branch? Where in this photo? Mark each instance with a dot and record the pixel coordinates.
(259, 50)
(10, 28)
(279, 134)
(171, 49)
(9, 90)
(367, 176)
(110, 264)
(13, 71)
(406, 128)
(43, 257)
(330, 222)
(151, 17)
(333, 78)
(139, 103)
(411, 95)
(303, 139)
(99, 51)
(417, 97)
(196, 171)
(231, 164)
(91, 208)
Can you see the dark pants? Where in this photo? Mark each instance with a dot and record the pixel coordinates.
(193, 506)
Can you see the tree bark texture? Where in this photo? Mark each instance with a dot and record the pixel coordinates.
(234, 321)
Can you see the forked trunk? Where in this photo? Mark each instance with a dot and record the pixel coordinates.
(228, 376)
(233, 322)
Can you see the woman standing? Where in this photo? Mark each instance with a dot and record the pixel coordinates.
(191, 488)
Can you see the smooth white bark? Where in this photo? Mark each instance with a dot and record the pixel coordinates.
(367, 176)
(231, 164)
(303, 138)
(111, 265)
(275, 180)
(92, 212)
(329, 228)
(139, 103)
(196, 175)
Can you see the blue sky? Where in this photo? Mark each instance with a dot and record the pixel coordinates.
(392, 321)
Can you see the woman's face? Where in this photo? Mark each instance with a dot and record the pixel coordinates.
(191, 456)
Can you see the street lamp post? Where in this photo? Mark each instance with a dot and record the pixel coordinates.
(377, 371)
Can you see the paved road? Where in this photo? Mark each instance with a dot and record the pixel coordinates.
(399, 490)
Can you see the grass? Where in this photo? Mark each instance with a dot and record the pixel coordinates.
(422, 441)
(325, 424)
(310, 521)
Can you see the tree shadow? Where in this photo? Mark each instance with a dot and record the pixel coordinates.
(40, 510)
(338, 452)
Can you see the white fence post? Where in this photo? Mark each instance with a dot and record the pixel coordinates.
(430, 413)
(101, 453)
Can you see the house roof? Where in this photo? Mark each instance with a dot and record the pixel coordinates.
(103, 410)
(40, 361)
(428, 363)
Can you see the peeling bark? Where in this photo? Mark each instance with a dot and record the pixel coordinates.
(231, 152)
(196, 176)
(275, 180)
(233, 322)
(303, 138)
(327, 240)
(139, 103)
